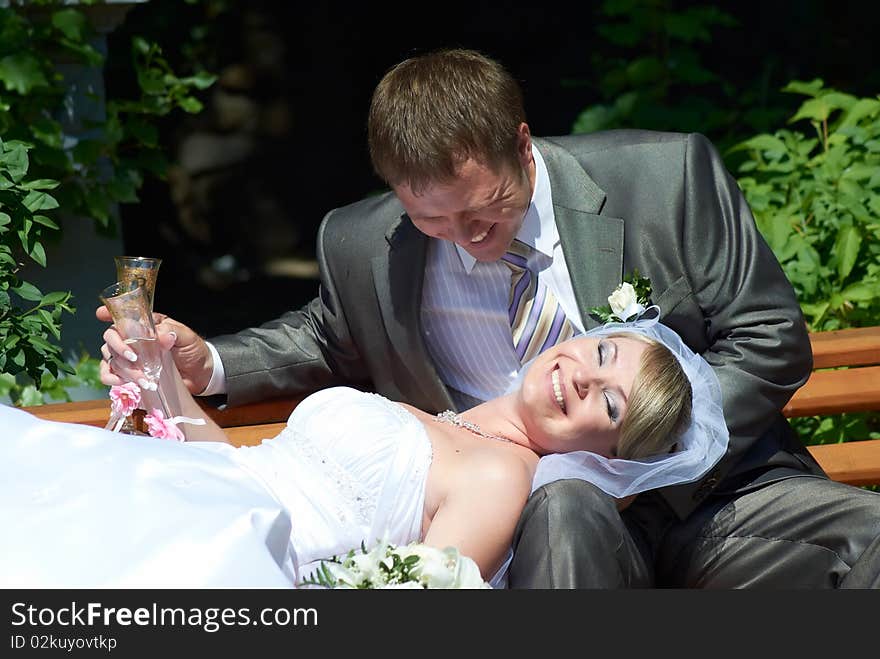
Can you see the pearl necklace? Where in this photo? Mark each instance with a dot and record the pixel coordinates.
(454, 419)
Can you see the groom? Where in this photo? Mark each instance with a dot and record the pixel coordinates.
(413, 304)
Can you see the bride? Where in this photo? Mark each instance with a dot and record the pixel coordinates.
(627, 407)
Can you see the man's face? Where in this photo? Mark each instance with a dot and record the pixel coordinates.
(481, 209)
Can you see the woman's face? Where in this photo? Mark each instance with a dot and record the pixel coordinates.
(574, 396)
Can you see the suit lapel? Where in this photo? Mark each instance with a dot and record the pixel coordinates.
(398, 281)
(592, 243)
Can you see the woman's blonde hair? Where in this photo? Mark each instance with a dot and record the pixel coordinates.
(659, 404)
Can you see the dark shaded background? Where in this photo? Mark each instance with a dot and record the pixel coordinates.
(282, 139)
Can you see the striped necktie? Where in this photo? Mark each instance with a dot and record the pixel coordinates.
(537, 320)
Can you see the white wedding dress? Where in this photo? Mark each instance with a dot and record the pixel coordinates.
(83, 507)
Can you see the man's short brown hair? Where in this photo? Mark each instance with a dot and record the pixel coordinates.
(431, 113)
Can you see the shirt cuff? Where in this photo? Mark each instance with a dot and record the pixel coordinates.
(217, 383)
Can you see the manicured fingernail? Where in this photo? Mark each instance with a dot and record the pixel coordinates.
(130, 356)
(174, 335)
(146, 384)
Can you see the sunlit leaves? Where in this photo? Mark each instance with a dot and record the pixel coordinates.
(816, 200)
(42, 169)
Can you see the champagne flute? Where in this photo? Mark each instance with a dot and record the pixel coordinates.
(129, 305)
(130, 268)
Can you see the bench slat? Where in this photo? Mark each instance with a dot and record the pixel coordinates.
(855, 463)
(89, 412)
(275, 410)
(833, 392)
(97, 412)
(847, 347)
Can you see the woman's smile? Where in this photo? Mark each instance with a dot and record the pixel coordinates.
(557, 388)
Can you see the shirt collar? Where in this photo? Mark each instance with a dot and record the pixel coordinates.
(538, 229)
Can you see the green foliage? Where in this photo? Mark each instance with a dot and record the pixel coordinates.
(816, 200)
(105, 166)
(834, 429)
(29, 320)
(87, 174)
(650, 71)
(815, 194)
(84, 373)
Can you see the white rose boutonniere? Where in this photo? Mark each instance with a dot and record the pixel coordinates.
(385, 566)
(623, 299)
(628, 300)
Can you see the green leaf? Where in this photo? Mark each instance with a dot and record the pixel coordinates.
(30, 396)
(846, 247)
(40, 184)
(861, 292)
(864, 107)
(140, 46)
(768, 143)
(50, 323)
(16, 162)
(811, 88)
(151, 82)
(839, 100)
(4, 220)
(48, 131)
(191, 105)
(71, 23)
(144, 132)
(18, 357)
(815, 109)
(815, 311)
(592, 119)
(645, 70)
(39, 201)
(39, 342)
(21, 73)
(55, 297)
(28, 291)
(45, 221)
(201, 80)
(38, 254)
(122, 191)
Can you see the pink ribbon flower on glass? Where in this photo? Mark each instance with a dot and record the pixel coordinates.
(159, 426)
(124, 398)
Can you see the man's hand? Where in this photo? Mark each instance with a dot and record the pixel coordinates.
(189, 351)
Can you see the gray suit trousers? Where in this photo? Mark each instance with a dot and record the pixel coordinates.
(800, 532)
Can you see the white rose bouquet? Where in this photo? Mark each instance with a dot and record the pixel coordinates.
(386, 566)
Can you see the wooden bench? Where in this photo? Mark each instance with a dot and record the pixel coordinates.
(834, 390)
(830, 390)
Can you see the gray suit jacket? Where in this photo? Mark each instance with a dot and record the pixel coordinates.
(659, 202)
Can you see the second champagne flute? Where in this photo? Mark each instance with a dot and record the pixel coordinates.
(129, 306)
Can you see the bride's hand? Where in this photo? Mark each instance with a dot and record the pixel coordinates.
(188, 350)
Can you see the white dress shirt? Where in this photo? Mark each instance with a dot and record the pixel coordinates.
(464, 305)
